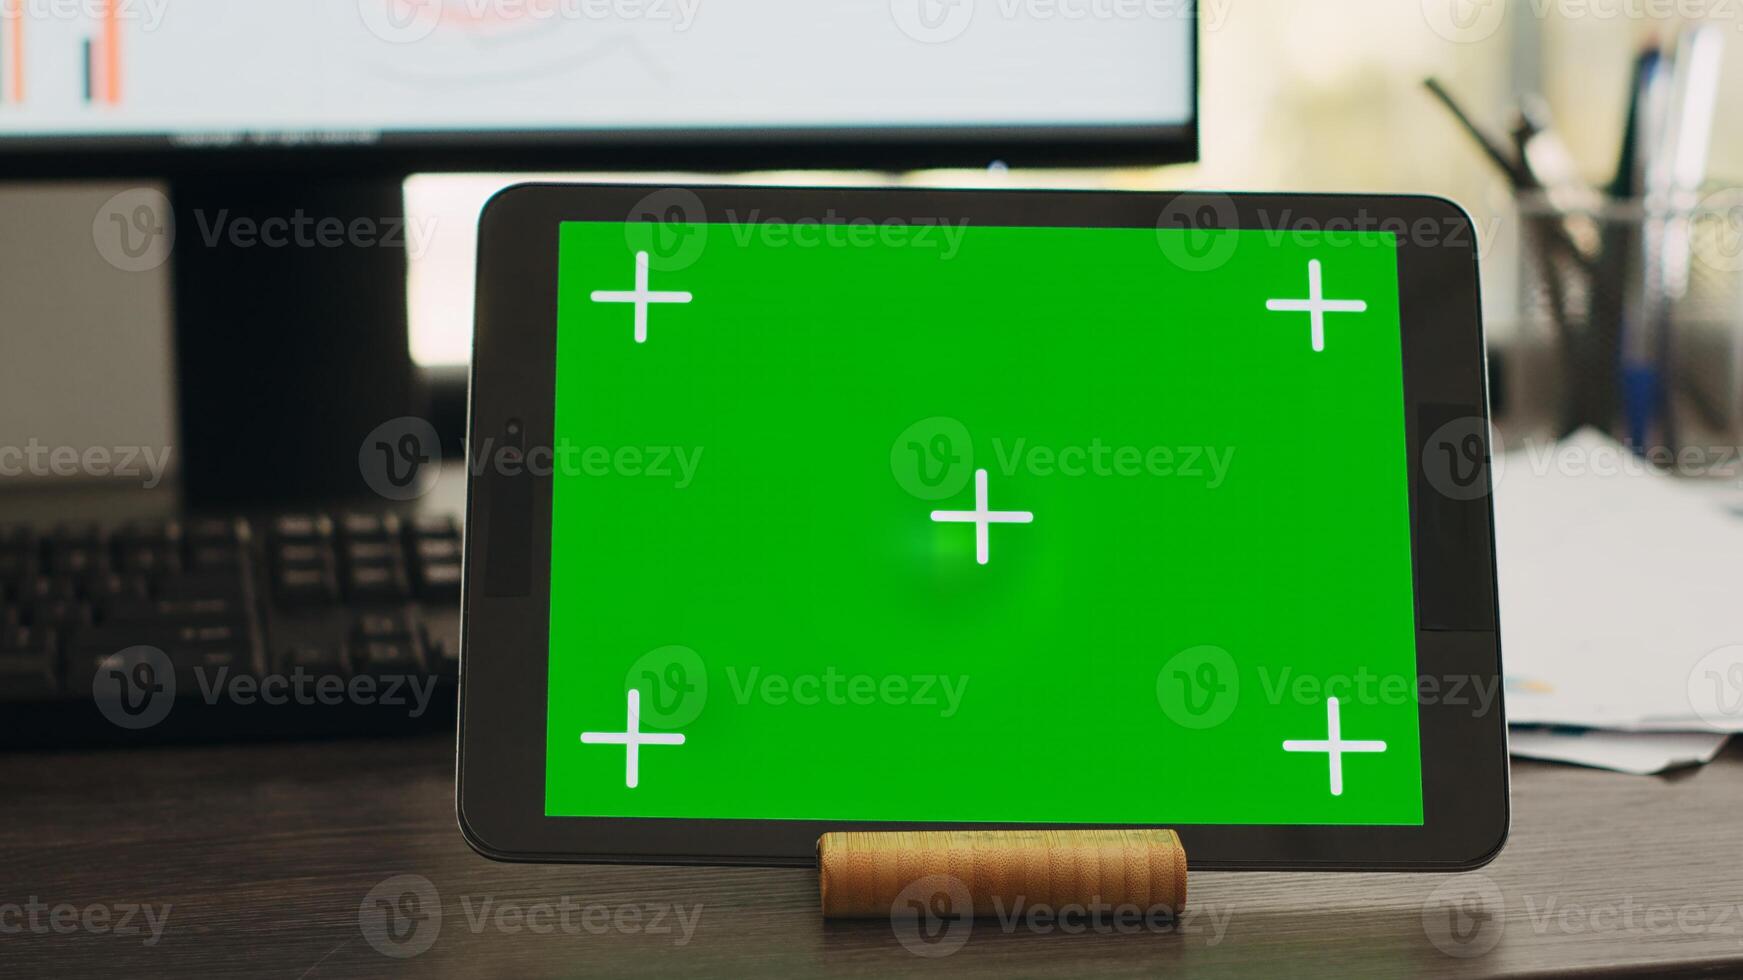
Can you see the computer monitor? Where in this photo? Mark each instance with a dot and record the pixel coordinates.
(96, 86)
(289, 350)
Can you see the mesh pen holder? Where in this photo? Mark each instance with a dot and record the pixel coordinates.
(1642, 303)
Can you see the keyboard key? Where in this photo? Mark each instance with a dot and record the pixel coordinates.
(27, 639)
(211, 558)
(84, 534)
(28, 675)
(216, 531)
(17, 537)
(300, 586)
(388, 657)
(435, 526)
(204, 585)
(442, 646)
(371, 552)
(383, 626)
(440, 581)
(158, 534)
(150, 559)
(219, 634)
(50, 588)
(303, 555)
(196, 671)
(302, 527)
(17, 567)
(115, 585)
(368, 583)
(369, 527)
(197, 653)
(109, 638)
(59, 613)
(192, 663)
(139, 610)
(313, 659)
(75, 559)
(439, 549)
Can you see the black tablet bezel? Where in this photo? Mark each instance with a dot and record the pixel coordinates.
(501, 767)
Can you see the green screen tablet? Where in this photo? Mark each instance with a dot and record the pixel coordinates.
(848, 516)
(952, 511)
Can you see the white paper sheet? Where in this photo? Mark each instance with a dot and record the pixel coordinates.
(1621, 593)
(1640, 753)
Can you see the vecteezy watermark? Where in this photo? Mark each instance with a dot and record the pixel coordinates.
(1365, 229)
(138, 15)
(943, 235)
(1362, 686)
(939, 21)
(1463, 916)
(676, 682)
(299, 229)
(935, 916)
(410, 21)
(39, 918)
(1201, 686)
(1472, 21)
(671, 227)
(135, 230)
(1466, 916)
(933, 458)
(1462, 459)
(147, 464)
(1096, 458)
(673, 687)
(833, 687)
(1464, 21)
(397, 458)
(1715, 688)
(1199, 232)
(1195, 231)
(308, 688)
(136, 688)
(1551, 914)
(1454, 461)
(403, 917)
(1716, 230)
(677, 464)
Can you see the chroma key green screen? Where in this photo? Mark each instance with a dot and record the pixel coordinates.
(958, 523)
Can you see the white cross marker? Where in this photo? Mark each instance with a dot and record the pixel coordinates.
(981, 517)
(1316, 304)
(631, 740)
(1333, 746)
(641, 296)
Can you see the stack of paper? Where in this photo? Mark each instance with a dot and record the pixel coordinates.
(1620, 607)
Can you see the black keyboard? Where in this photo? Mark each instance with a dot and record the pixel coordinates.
(217, 628)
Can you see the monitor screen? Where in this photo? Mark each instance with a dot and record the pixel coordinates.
(203, 74)
(860, 521)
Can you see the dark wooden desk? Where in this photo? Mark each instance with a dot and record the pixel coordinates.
(265, 854)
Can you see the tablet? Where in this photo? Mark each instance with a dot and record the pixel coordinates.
(796, 510)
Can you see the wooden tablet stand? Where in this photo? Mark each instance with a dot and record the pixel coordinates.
(977, 872)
